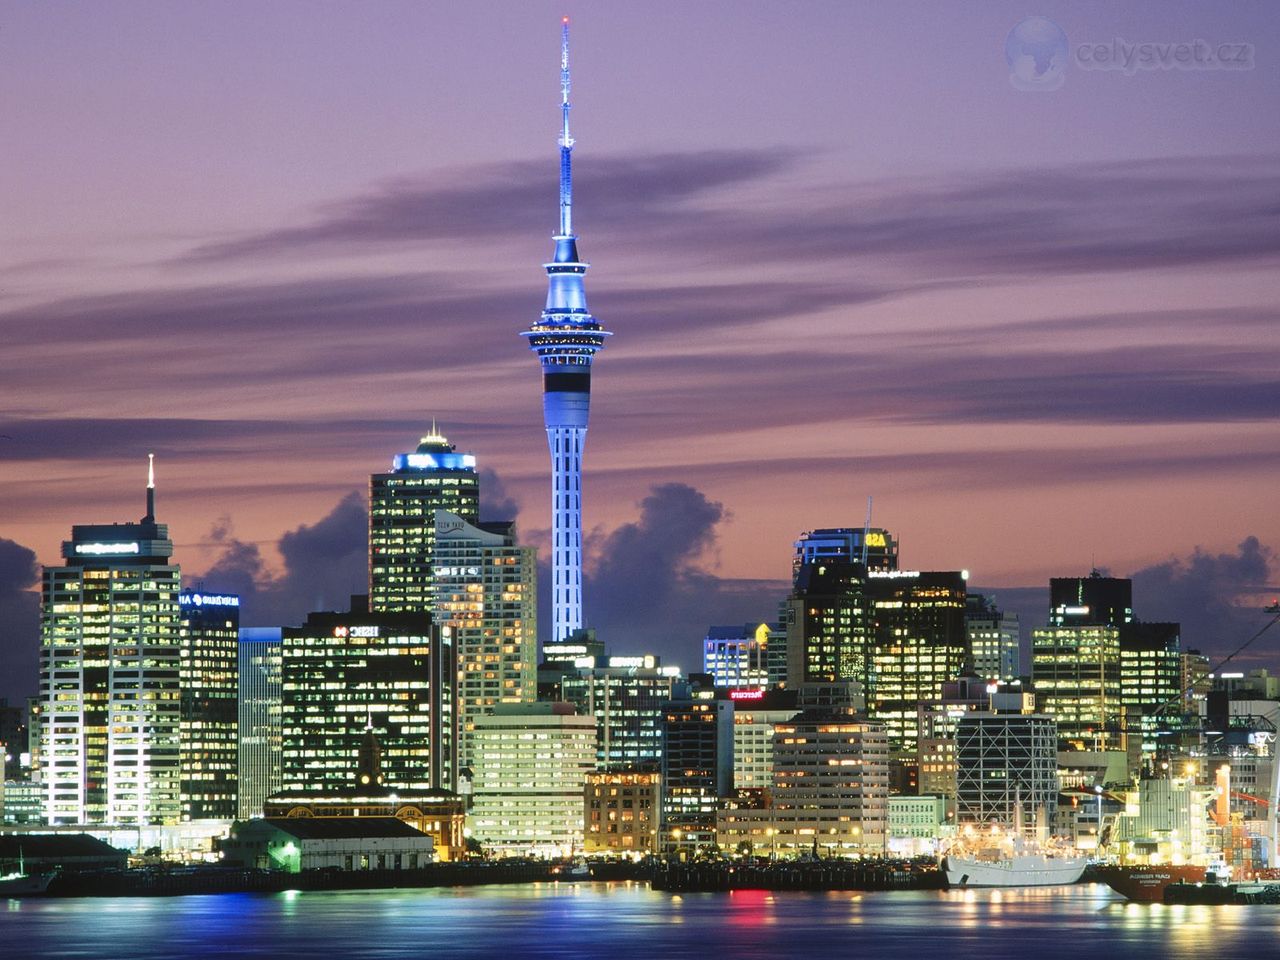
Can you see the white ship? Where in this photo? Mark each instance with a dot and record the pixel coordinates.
(1016, 870)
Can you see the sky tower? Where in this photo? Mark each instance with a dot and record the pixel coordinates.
(566, 339)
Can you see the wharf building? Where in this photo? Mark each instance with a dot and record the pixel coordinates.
(566, 339)
(532, 765)
(209, 721)
(341, 672)
(260, 736)
(697, 765)
(628, 698)
(486, 592)
(402, 527)
(110, 676)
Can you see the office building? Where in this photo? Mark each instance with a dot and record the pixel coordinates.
(532, 762)
(402, 527)
(697, 765)
(756, 714)
(1004, 759)
(628, 697)
(486, 592)
(1151, 692)
(622, 812)
(873, 547)
(343, 672)
(737, 657)
(260, 736)
(566, 338)
(209, 724)
(110, 663)
(994, 639)
(829, 629)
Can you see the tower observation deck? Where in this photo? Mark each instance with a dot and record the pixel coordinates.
(566, 339)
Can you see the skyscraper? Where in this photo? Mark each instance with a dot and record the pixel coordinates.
(210, 688)
(566, 339)
(402, 525)
(110, 654)
(260, 707)
(485, 589)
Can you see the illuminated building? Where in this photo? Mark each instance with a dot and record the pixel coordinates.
(627, 696)
(829, 635)
(532, 764)
(343, 671)
(1004, 759)
(486, 592)
(402, 525)
(830, 790)
(874, 548)
(260, 705)
(210, 688)
(110, 662)
(737, 657)
(566, 339)
(697, 764)
(622, 812)
(936, 750)
(994, 639)
(755, 715)
(1151, 682)
(920, 644)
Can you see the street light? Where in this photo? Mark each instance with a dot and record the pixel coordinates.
(773, 843)
(1097, 789)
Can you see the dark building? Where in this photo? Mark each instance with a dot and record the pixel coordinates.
(13, 739)
(829, 630)
(341, 672)
(209, 704)
(697, 763)
(873, 547)
(1094, 600)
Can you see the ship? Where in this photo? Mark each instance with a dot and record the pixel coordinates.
(19, 883)
(1013, 870)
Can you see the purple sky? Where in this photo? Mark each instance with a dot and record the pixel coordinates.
(842, 255)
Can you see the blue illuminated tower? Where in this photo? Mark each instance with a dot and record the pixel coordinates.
(566, 339)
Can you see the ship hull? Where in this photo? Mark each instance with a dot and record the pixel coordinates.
(1147, 884)
(26, 886)
(1023, 871)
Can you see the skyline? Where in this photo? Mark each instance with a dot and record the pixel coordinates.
(1063, 303)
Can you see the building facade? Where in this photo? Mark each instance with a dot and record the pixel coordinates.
(1004, 760)
(402, 527)
(697, 765)
(621, 813)
(209, 726)
(737, 657)
(110, 664)
(260, 737)
(486, 592)
(994, 638)
(628, 697)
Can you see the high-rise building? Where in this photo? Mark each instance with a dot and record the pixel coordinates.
(1004, 759)
(566, 339)
(920, 644)
(737, 657)
(342, 673)
(260, 705)
(628, 697)
(402, 525)
(532, 763)
(994, 639)
(697, 765)
(755, 716)
(110, 662)
(873, 547)
(829, 630)
(486, 591)
(1090, 601)
(1151, 682)
(210, 689)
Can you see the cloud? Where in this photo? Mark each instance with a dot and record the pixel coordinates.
(324, 564)
(645, 591)
(1218, 598)
(19, 621)
(496, 502)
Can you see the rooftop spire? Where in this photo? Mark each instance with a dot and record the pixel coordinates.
(566, 141)
(151, 489)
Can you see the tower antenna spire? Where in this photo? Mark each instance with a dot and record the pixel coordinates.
(566, 141)
(151, 489)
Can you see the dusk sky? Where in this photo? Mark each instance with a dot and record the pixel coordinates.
(841, 253)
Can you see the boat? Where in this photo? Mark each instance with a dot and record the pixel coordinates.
(1147, 883)
(1012, 870)
(19, 883)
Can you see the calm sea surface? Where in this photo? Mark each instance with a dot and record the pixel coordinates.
(622, 921)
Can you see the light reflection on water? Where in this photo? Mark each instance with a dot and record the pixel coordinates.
(623, 921)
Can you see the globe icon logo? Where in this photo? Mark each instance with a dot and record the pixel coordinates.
(1036, 51)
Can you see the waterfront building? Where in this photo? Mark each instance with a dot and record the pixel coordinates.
(994, 639)
(916, 824)
(737, 657)
(920, 644)
(622, 812)
(1003, 760)
(342, 671)
(209, 725)
(402, 527)
(566, 338)
(532, 763)
(295, 844)
(110, 662)
(260, 737)
(628, 697)
(873, 547)
(486, 592)
(697, 764)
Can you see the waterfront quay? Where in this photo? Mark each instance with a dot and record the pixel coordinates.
(806, 874)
